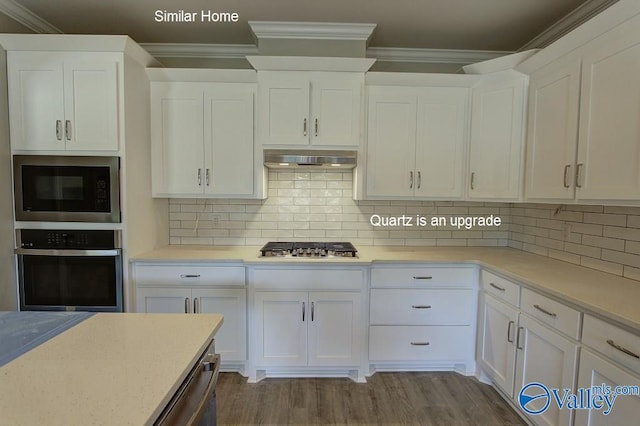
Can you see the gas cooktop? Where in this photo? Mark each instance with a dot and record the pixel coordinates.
(308, 249)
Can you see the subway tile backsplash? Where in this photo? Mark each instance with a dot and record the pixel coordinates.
(318, 205)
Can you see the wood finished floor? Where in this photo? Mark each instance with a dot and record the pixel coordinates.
(387, 399)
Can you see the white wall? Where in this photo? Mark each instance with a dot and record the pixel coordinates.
(8, 293)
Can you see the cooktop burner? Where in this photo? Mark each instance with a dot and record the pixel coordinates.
(308, 249)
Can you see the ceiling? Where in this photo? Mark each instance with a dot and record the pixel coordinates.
(502, 25)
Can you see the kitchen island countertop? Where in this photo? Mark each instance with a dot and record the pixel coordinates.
(112, 368)
(608, 295)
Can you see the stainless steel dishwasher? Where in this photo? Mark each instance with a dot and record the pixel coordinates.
(195, 401)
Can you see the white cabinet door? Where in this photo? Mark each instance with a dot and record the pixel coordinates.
(496, 334)
(177, 138)
(164, 300)
(497, 138)
(335, 336)
(595, 371)
(228, 140)
(440, 142)
(391, 136)
(335, 109)
(36, 101)
(545, 357)
(281, 328)
(91, 105)
(283, 108)
(609, 146)
(231, 338)
(552, 134)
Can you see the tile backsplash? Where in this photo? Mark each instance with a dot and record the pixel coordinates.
(318, 206)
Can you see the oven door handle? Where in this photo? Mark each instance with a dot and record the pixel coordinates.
(63, 252)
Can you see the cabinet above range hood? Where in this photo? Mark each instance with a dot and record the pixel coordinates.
(290, 158)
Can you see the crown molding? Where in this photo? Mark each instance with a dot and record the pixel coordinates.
(193, 50)
(24, 16)
(440, 56)
(306, 63)
(311, 30)
(575, 18)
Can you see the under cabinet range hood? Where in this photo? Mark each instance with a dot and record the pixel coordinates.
(288, 158)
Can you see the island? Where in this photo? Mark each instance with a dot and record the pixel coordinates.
(110, 368)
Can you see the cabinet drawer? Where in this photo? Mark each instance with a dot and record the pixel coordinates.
(614, 342)
(421, 307)
(192, 275)
(425, 276)
(420, 343)
(555, 314)
(307, 279)
(500, 287)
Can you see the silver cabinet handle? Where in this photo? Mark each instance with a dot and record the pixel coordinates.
(196, 305)
(303, 311)
(622, 349)
(206, 176)
(509, 339)
(304, 127)
(190, 276)
(544, 311)
(473, 180)
(578, 173)
(59, 130)
(518, 338)
(312, 310)
(199, 177)
(420, 343)
(497, 287)
(67, 129)
(419, 277)
(316, 127)
(567, 168)
(411, 180)
(421, 306)
(419, 179)
(186, 305)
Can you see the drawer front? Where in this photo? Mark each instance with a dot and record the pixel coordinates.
(612, 341)
(500, 287)
(420, 343)
(561, 317)
(191, 275)
(423, 277)
(307, 279)
(422, 307)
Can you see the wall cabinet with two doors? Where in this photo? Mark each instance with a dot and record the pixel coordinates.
(63, 101)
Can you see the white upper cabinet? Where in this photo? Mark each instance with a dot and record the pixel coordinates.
(552, 134)
(497, 137)
(63, 101)
(202, 139)
(416, 140)
(310, 108)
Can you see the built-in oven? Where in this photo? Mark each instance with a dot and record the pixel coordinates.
(66, 189)
(72, 270)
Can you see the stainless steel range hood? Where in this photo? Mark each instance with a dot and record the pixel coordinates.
(288, 158)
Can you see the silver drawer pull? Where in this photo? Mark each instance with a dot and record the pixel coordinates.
(622, 349)
(497, 287)
(544, 311)
(420, 343)
(190, 276)
(422, 278)
(421, 306)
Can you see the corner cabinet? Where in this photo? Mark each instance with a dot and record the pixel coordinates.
(202, 141)
(416, 142)
(304, 108)
(61, 101)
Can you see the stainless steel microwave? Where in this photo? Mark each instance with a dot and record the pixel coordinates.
(66, 189)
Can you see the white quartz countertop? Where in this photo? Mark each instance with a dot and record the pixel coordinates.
(611, 296)
(111, 369)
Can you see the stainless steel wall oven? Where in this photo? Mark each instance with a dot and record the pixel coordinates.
(70, 270)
